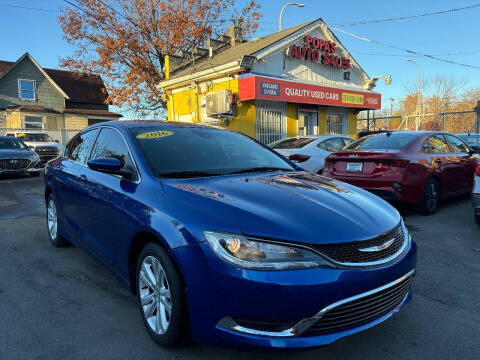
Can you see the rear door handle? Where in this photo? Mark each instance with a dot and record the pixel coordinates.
(82, 178)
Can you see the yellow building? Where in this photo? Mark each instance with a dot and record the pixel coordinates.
(300, 81)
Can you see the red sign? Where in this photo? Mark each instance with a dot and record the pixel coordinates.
(313, 47)
(260, 87)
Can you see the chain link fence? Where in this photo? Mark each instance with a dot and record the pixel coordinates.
(62, 136)
(454, 122)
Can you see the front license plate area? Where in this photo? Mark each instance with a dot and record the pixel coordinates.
(354, 167)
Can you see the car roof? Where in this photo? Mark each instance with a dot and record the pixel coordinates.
(159, 123)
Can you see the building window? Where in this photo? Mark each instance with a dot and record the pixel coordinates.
(307, 123)
(270, 122)
(33, 122)
(26, 89)
(337, 122)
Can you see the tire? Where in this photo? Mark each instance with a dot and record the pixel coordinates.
(35, 174)
(477, 219)
(430, 197)
(53, 224)
(166, 328)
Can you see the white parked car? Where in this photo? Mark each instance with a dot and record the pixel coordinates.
(309, 152)
(476, 194)
(40, 142)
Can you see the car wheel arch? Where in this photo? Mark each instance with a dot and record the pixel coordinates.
(437, 179)
(139, 241)
(48, 191)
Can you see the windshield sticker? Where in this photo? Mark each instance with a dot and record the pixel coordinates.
(154, 134)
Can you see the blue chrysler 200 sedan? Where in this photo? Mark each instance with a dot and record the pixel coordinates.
(221, 238)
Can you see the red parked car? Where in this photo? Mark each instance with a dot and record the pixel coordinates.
(411, 166)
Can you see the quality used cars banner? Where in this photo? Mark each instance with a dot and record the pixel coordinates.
(259, 87)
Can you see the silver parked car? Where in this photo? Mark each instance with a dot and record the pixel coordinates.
(309, 152)
(476, 194)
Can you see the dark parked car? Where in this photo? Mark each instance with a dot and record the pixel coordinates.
(473, 140)
(412, 166)
(219, 235)
(16, 158)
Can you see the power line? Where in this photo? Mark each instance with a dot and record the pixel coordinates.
(403, 49)
(403, 55)
(28, 8)
(354, 23)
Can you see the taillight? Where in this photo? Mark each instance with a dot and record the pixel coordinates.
(399, 162)
(477, 170)
(298, 158)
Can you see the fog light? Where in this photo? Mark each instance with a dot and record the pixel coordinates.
(397, 187)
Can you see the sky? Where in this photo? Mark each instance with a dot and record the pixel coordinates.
(454, 35)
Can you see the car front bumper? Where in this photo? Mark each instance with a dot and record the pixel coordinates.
(34, 169)
(219, 293)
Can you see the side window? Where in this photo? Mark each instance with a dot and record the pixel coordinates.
(438, 145)
(79, 148)
(426, 146)
(347, 141)
(322, 146)
(457, 145)
(10, 134)
(334, 144)
(111, 144)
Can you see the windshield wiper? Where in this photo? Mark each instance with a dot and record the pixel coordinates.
(260, 169)
(186, 174)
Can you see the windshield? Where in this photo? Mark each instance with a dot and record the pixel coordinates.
(386, 141)
(35, 137)
(291, 143)
(471, 139)
(12, 143)
(195, 152)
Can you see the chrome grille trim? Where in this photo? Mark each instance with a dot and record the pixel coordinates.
(406, 240)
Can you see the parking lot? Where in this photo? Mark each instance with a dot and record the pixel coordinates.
(59, 303)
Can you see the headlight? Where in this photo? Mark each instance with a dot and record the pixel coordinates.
(256, 254)
(34, 157)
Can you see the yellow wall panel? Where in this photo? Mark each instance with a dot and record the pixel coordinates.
(292, 122)
(244, 120)
(352, 123)
(13, 120)
(322, 120)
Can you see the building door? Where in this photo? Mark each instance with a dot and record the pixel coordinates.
(337, 121)
(307, 123)
(270, 122)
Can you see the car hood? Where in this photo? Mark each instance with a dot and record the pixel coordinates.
(15, 154)
(37, 143)
(299, 206)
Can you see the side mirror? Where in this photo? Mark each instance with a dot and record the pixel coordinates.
(109, 166)
(30, 147)
(56, 141)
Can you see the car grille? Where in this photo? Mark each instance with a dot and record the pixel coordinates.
(46, 152)
(361, 310)
(14, 164)
(365, 252)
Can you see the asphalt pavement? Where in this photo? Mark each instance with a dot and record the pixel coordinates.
(60, 304)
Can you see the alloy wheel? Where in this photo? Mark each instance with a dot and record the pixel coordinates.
(155, 298)
(431, 196)
(52, 219)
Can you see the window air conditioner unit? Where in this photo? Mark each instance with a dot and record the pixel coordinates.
(220, 103)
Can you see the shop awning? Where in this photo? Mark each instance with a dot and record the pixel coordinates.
(267, 88)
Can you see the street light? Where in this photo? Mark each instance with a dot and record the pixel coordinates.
(371, 84)
(281, 12)
(419, 94)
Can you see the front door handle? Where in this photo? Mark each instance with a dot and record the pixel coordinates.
(82, 178)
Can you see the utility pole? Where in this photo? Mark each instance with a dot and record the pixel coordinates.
(391, 105)
(419, 95)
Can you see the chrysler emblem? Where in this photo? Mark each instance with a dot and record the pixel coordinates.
(353, 155)
(379, 247)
